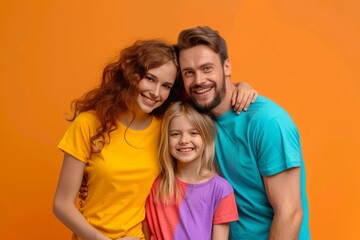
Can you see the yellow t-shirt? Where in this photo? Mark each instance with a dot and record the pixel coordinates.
(119, 178)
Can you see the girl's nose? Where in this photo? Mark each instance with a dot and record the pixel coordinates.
(184, 139)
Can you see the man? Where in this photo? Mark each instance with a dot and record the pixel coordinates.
(258, 151)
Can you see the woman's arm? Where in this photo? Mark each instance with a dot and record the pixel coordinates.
(243, 95)
(64, 206)
(220, 231)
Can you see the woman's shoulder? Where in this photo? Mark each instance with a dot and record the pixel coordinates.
(89, 117)
(86, 120)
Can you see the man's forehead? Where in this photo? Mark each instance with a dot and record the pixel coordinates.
(197, 50)
(198, 55)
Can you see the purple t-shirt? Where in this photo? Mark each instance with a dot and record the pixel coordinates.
(201, 206)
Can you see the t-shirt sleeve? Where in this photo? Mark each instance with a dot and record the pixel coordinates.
(277, 143)
(226, 210)
(76, 140)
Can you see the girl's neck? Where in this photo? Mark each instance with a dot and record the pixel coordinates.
(189, 174)
(137, 120)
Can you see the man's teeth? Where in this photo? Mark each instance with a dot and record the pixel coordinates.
(203, 90)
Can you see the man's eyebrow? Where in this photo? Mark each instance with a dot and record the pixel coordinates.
(201, 66)
(186, 69)
(206, 64)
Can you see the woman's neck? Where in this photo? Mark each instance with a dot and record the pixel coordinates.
(136, 120)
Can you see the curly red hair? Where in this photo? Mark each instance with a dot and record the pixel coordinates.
(118, 90)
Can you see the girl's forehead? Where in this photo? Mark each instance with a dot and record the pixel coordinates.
(181, 119)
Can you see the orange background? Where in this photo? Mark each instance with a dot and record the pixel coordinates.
(303, 54)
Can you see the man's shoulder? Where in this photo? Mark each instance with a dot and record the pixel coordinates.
(265, 103)
(264, 108)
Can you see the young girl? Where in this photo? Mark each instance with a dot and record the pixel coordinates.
(188, 200)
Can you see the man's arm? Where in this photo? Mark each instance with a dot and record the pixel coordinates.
(283, 191)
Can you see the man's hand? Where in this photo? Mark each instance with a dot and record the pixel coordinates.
(83, 189)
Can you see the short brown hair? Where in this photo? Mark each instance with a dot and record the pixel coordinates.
(203, 36)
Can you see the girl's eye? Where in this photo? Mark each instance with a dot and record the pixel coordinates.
(174, 134)
(194, 133)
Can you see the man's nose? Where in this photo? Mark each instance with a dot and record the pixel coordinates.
(199, 77)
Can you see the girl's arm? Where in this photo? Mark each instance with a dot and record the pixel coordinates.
(220, 231)
(243, 95)
(64, 206)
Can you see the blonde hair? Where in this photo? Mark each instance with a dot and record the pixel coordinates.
(168, 187)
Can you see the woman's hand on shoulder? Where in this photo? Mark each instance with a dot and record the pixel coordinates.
(243, 96)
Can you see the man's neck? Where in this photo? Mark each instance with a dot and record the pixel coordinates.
(225, 104)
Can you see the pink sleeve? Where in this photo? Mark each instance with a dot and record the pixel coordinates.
(226, 210)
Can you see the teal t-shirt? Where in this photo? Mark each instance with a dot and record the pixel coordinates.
(262, 141)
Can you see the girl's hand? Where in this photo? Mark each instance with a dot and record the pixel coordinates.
(243, 95)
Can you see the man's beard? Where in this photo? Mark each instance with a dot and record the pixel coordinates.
(214, 103)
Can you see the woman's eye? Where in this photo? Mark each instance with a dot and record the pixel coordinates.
(167, 86)
(149, 78)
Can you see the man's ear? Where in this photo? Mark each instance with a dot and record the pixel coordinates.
(227, 68)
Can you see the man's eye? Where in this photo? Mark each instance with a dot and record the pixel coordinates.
(188, 73)
(207, 69)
